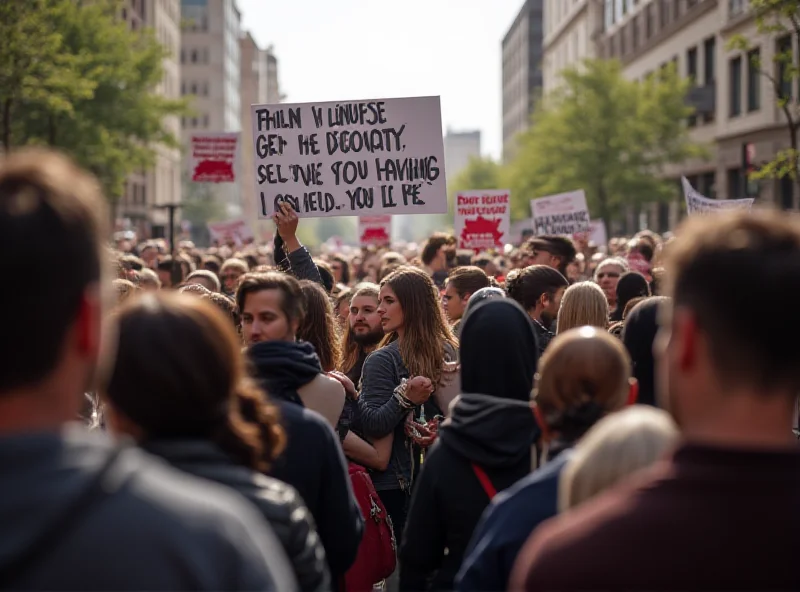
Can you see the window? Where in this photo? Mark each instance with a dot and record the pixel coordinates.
(622, 45)
(783, 57)
(736, 7)
(691, 74)
(787, 192)
(663, 13)
(635, 32)
(708, 184)
(194, 56)
(609, 13)
(648, 23)
(710, 70)
(735, 186)
(735, 89)
(753, 80)
(194, 88)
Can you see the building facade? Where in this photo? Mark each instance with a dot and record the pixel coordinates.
(737, 116)
(162, 183)
(571, 30)
(459, 148)
(522, 72)
(211, 74)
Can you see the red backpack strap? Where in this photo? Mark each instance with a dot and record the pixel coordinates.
(485, 482)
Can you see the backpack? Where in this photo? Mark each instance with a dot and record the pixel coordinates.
(377, 554)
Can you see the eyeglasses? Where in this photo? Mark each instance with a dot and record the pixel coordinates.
(608, 274)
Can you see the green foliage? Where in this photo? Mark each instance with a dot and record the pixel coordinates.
(480, 173)
(777, 18)
(73, 76)
(607, 135)
(199, 205)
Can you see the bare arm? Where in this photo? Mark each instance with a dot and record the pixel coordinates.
(374, 456)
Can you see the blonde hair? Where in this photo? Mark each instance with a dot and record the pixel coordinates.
(613, 449)
(583, 374)
(583, 304)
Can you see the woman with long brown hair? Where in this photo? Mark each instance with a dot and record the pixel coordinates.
(319, 325)
(401, 376)
(178, 388)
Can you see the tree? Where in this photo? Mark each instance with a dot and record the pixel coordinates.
(779, 18)
(480, 173)
(607, 135)
(100, 104)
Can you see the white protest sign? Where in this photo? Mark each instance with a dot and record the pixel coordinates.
(596, 234)
(374, 230)
(562, 214)
(483, 219)
(235, 231)
(357, 158)
(699, 204)
(214, 157)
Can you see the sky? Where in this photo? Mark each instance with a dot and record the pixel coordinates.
(333, 50)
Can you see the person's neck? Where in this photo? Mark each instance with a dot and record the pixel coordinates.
(26, 412)
(536, 315)
(745, 421)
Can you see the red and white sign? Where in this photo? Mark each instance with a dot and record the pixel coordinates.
(483, 219)
(374, 230)
(230, 232)
(214, 157)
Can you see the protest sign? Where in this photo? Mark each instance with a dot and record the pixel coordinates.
(483, 219)
(230, 231)
(562, 214)
(596, 234)
(214, 157)
(374, 230)
(357, 158)
(699, 204)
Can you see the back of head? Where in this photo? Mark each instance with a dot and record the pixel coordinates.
(632, 284)
(717, 269)
(483, 295)
(468, 279)
(179, 373)
(583, 304)
(639, 334)
(498, 350)
(432, 246)
(527, 285)
(52, 224)
(616, 447)
(584, 374)
(211, 281)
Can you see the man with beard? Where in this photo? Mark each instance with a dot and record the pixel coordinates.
(538, 289)
(363, 337)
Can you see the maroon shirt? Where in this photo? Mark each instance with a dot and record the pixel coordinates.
(707, 518)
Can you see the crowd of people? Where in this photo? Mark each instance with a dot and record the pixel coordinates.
(553, 415)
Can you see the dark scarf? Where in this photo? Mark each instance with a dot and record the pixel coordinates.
(283, 367)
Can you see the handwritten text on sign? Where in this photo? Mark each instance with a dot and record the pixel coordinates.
(483, 219)
(350, 158)
(562, 214)
(699, 204)
(214, 157)
(374, 230)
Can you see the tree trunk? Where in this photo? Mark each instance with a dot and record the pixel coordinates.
(51, 130)
(7, 125)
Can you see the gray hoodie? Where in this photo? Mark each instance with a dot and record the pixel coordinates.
(153, 529)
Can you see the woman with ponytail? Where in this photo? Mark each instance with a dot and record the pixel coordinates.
(179, 388)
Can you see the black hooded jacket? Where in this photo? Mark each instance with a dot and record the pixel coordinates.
(492, 426)
(313, 462)
(639, 333)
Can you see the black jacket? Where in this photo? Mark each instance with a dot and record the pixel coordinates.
(279, 503)
(313, 461)
(448, 499)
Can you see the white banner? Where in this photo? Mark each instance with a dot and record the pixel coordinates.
(357, 158)
(561, 214)
(699, 204)
(483, 219)
(235, 231)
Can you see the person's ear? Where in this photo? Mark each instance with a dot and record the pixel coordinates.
(633, 391)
